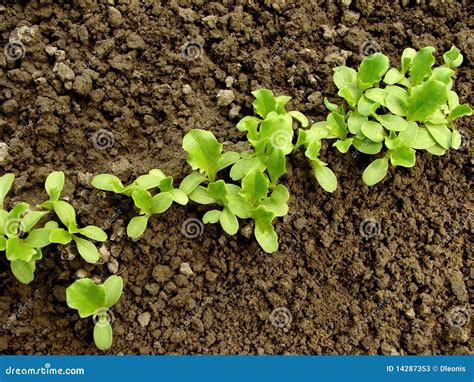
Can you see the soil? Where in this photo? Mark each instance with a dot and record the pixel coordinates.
(112, 86)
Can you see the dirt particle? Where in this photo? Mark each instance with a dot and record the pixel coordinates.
(185, 269)
(113, 265)
(144, 319)
(187, 89)
(135, 41)
(225, 97)
(82, 84)
(162, 273)
(10, 106)
(115, 17)
(211, 276)
(65, 73)
(3, 151)
(123, 62)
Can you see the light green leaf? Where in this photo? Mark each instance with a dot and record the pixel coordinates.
(228, 158)
(374, 131)
(264, 103)
(103, 334)
(355, 122)
(211, 217)
(456, 140)
(407, 57)
(392, 122)
(228, 221)
(60, 236)
(408, 136)
(85, 296)
(396, 105)
(372, 69)
(421, 65)
(204, 152)
(240, 206)
(264, 231)
(366, 107)
(31, 219)
(441, 134)
(366, 146)
(344, 76)
(108, 182)
(403, 156)
(39, 238)
(137, 226)
(94, 233)
(87, 250)
(161, 202)
(65, 212)
(453, 58)
(425, 99)
(201, 195)
(423, 140)
(6, 182)
(276, 165)
(17, 249)
(436, 150)
(179, 196)
(375, 172)
(142, 200)
(343, 145)
(325, 177)
(351, 94)
(113, 287)
(376, 95)
(149, 181)
(255, 186)
(190, 183)
(460, 111)
(54, 185)
(300, 117)
(393, 76)
(23, 270)
(244, 166)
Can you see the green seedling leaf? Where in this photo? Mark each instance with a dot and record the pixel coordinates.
(276, 166)
(264, 231)
(300, 117)
(441, 134)
(142, 200)
(31, 219)
(94, 233)
(204, 152)
(355, 122)
(201, 195)
(426, 99)
(374, 131)
(229, 221)
(393, 76)
(40, 238)
(366, 146)
(17, 249)
(113, 287)
(60, 236)
(325, 177)
(453, 58)
(65, 213)
(54, 185)
(436, 150)
(85, 296)
(459, 111)
(87, 250)
(375, 172)
(227, 159)
(407, 57)
(255, 186)
(24, 271)
(376, 95)
(137, 226)
(421, 65)
(190, 183)
(108, 182)
(393, 122)
(423, 139)
(6, 182)
(403, 156)
(351, 94)
(18, 210)
(343, 77)
(103, 334)
(264, 102)
(211, 216)
(408, 136)
(343, 145)
(150, 180)
(456, 140)
(179, 196)
(277, 202)
(372, 69)
(244, 166)
(161, 202)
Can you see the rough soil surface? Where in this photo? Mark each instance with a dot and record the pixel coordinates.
(112, 86)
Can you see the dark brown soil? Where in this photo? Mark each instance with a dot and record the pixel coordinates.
(139, 77)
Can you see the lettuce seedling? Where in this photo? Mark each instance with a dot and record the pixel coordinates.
(67, 215)
(19, 238)
(95, 300)
(270, 134)
(139, 191)
(409, 108)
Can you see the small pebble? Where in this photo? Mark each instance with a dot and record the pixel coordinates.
(211, 276)
(144, 319)
(65, 73)
(185, 269)
(225, 97)
(113, 265)
(187, 89)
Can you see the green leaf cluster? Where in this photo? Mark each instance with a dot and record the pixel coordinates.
(399, 110)
(140, 190)
(95, 300)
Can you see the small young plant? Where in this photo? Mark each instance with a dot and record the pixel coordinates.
(404, 109)
(248, 201)
(19, 238)
(67, 215)
(139, 191)
(96, 300)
